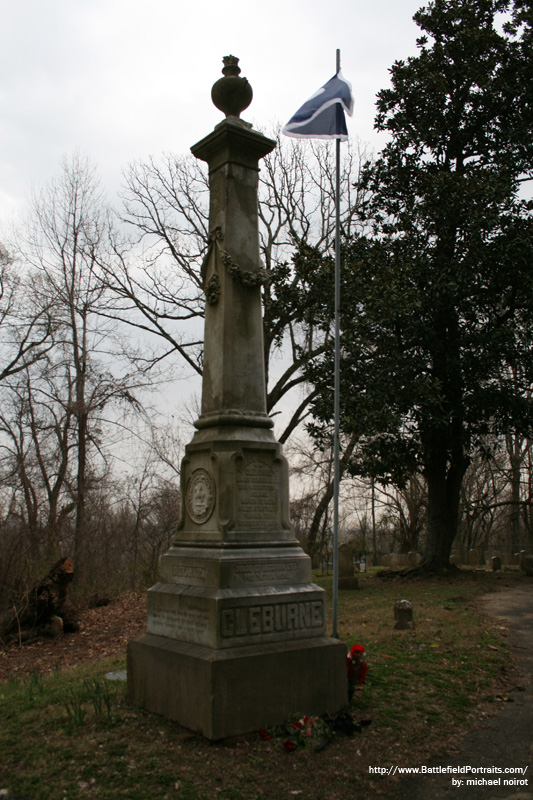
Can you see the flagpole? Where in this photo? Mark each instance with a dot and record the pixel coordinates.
(322, 117)
(336, 392)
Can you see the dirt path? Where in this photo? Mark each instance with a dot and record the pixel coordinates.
(504, 741)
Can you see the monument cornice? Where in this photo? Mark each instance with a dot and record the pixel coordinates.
(233, 143)
(235, 418)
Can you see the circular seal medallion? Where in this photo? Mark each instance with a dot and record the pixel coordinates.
(200, 496)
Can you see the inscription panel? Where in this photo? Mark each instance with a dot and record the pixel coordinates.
(272, 621)
(189, 572)
(180, 621)
(265, 574)
(186, 571)
(257, 493)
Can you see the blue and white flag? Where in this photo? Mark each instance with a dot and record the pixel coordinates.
(322, 116)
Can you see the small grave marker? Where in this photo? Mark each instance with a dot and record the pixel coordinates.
(403, 615)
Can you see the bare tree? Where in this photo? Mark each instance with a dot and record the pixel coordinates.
(517, 448)
(36, 443)
(67, 238)
(407, 505)
(312, 469)
(527, 515)
(166, 204)
(26, 328)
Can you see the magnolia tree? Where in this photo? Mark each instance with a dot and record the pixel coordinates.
(438, 298)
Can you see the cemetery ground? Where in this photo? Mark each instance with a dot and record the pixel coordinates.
(67, 732)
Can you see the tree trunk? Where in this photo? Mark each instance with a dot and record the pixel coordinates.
(514, 450)
(313, 533)
(79, 525)
(442, 518)
(444, 433)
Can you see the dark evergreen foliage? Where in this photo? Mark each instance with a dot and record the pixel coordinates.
(437, 309)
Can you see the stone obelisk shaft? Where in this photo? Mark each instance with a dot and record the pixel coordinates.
(234, 370)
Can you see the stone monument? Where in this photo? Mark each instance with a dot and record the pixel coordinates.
(236, 630)
(403, 615)
(526, 565)
(496, 563)
(455, 558)
(347, 579)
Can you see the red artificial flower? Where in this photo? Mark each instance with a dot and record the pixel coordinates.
(264, 734)
(357, 666)
(289, 745)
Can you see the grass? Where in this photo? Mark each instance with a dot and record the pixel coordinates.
(71, 734)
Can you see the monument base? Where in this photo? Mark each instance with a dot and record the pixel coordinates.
(221, 693)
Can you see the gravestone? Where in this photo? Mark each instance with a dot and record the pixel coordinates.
(455, 558)
(347, 579)
(403, 615)
(496, 563)
(236, 630)
(413, 558)
(473, 557)
(527, 565)
(346, 569)
(393, 560)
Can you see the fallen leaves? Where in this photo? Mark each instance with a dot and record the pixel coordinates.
(103, 634)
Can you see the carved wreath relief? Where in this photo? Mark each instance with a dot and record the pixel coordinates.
(200, 496)
(248, 278)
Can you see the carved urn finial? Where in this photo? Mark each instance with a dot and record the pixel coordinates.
(231, 94)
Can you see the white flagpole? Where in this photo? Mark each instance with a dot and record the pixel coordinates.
(336, 414)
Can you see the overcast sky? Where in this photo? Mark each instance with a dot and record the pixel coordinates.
(124, 79)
